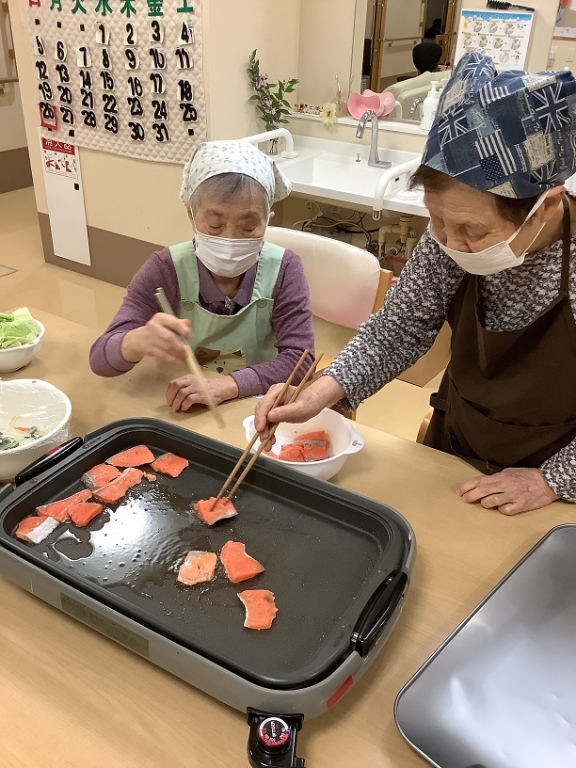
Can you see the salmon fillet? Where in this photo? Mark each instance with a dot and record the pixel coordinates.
(133, 457)
(117, 489)
(81, 514)
(197, 568)
(150, 477)
(223, 509)
(260, 608)
(100, 475)
(169, 464)
(311, 446)
(36, 529)
(238, 565)
(291, 452)
(58, 509)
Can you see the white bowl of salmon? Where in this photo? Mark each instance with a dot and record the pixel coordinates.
(20, 339)
(319, 447)
(34, 417)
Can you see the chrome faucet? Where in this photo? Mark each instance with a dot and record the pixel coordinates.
(374, 159)
(415, 104)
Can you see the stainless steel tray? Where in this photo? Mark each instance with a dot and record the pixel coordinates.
(500, 692)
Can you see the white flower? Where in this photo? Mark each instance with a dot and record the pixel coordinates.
(328, 113)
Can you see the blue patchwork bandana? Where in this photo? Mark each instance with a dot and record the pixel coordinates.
(513, 133)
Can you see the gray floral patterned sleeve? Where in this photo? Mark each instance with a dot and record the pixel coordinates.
(405, 328)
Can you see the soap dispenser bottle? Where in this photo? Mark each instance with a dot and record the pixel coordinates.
(429, 106)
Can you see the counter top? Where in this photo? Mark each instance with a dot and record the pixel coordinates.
(71, 697)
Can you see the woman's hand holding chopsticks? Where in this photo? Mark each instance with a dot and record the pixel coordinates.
(161, 337)
(321, 394)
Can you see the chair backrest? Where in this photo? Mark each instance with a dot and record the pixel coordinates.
(418, 83)
(346, 282)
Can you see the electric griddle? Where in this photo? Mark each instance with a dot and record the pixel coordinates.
(338, 563)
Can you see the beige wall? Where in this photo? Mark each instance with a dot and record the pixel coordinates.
(542, 30)
(12, 132)
(326, 36)
(142, 201)
(565, 49)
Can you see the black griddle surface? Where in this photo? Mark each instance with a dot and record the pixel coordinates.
(325, 552)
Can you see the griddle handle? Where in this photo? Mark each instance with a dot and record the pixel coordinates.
(48, 460)
(378, 611)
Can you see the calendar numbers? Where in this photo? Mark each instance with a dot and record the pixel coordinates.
(83, 59)
(156, 31)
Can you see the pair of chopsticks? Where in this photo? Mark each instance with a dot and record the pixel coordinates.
(277, 402)
(193, 365)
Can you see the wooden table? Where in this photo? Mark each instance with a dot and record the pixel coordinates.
(71, 697)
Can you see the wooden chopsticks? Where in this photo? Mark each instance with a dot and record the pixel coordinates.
(277, 402)
(193, 365)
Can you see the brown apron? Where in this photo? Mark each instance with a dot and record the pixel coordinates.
(508, 398)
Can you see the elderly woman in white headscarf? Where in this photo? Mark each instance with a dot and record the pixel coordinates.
(242, 304)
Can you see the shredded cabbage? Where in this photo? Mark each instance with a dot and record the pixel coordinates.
(13, 436)
(17, 329)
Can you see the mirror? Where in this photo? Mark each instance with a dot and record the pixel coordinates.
(562, 50)
(385, 35)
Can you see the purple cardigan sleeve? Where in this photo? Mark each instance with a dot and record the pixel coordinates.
(137, 308)
(292, 324)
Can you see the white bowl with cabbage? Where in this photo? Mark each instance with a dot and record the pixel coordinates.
(20, 339)
(34, 417)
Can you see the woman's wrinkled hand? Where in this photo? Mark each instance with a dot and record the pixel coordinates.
(161, 337)
(184, 392)
(511, 491)
(322, 394)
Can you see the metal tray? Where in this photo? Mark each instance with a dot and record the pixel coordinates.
(327, 552)
(501, 690)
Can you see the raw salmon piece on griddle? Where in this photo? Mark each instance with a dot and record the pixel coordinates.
(260, 608)
(238, 565)
(197, 568)
(36, 529)
(100, 475)
(58, 509)
(133, 457)
(223, 509)
(170, 464)
(81, 514)
(117, 489)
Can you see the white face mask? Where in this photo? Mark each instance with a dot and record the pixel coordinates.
(227, 257)
(497, 257)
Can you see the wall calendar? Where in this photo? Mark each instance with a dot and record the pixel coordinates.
(120, 76)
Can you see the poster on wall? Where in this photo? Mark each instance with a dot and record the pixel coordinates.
(502, 35)
(120, 76)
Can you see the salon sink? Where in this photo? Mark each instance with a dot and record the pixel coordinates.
(339, 172)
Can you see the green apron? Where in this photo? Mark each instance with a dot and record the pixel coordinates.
(228, 343)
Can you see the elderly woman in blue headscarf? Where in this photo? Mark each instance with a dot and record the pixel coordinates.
(498, 262)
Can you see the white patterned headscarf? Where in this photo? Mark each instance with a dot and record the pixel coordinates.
(213, 158)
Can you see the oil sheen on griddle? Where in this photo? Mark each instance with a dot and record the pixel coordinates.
(139, 544)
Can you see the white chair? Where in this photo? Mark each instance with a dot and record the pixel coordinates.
(346, 283)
